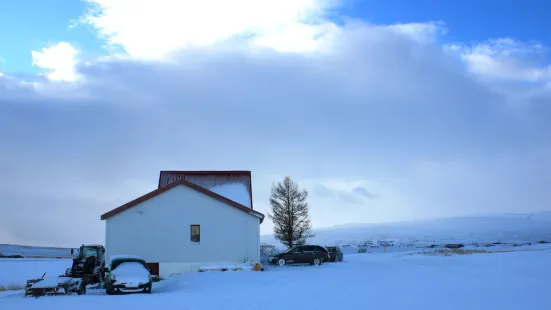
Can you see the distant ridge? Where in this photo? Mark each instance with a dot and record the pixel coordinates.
(28, 251)
(507, 227)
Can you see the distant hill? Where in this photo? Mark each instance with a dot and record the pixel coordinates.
(505, 228)
(11, 250)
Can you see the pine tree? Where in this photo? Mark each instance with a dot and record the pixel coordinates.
(290, 213)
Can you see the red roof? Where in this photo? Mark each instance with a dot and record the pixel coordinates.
(174, 184)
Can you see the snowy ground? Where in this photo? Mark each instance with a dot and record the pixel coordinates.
(510, 280)
(16, 271)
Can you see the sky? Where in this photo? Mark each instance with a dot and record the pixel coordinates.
(383, 110)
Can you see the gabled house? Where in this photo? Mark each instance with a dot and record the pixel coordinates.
(193, 218)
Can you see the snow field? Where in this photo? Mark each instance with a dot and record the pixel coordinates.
(510, 280)
(16, 271)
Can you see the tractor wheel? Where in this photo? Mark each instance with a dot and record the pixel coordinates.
(82, 288)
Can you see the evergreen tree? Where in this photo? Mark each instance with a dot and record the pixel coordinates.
(290, 213)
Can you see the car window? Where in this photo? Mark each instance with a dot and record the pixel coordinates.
(294, 250)
(309, 248)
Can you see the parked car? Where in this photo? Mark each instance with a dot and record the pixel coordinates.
(335, 253)
(128, 274)
(302, 254)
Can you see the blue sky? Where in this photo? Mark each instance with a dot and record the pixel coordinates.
(33, 24)
(429, 119)
(467, 20)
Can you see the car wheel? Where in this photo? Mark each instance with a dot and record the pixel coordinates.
(149, 288)
(281, 262)
(317, 261)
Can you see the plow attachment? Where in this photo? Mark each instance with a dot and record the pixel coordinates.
(54, 286)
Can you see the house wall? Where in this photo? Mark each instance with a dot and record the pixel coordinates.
(159, 230)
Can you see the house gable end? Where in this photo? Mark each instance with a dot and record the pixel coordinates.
(187, 184)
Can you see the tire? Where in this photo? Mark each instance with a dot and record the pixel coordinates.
(281, 262)
(82, 289)
(108, 290)
(148, 289)
(317, 261)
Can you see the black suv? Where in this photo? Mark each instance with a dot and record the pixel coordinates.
(335, 254)
(302, 254)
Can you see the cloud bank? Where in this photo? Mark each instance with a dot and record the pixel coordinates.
(378, 122)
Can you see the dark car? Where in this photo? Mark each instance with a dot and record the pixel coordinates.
(302, 254)
(335, 253)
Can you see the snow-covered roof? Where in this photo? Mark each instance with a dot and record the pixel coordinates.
(234, 191)
(235, 185)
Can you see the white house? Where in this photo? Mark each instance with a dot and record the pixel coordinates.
(194, 218)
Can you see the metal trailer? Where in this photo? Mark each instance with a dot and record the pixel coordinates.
(54, 286)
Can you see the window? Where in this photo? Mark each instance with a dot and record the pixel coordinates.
(195, 233)
(294, 250)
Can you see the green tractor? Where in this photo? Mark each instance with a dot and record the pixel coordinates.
(89, 264)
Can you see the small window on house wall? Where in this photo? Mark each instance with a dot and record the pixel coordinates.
(195, 233)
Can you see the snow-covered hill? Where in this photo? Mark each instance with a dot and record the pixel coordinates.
(34, 251)
(505, 228)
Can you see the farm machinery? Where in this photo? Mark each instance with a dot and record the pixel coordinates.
(87, 269)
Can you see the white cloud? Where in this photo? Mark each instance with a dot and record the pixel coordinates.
(507, 60)
(427, 32)
(60, 59)
(154, 29)
(383, 111)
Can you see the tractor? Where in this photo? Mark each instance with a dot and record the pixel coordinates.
(87, 268)
(88, 265)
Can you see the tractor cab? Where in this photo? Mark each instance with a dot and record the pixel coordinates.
(89, 250)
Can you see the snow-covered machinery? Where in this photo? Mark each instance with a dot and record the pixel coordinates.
(87, 268)
(54, 285)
